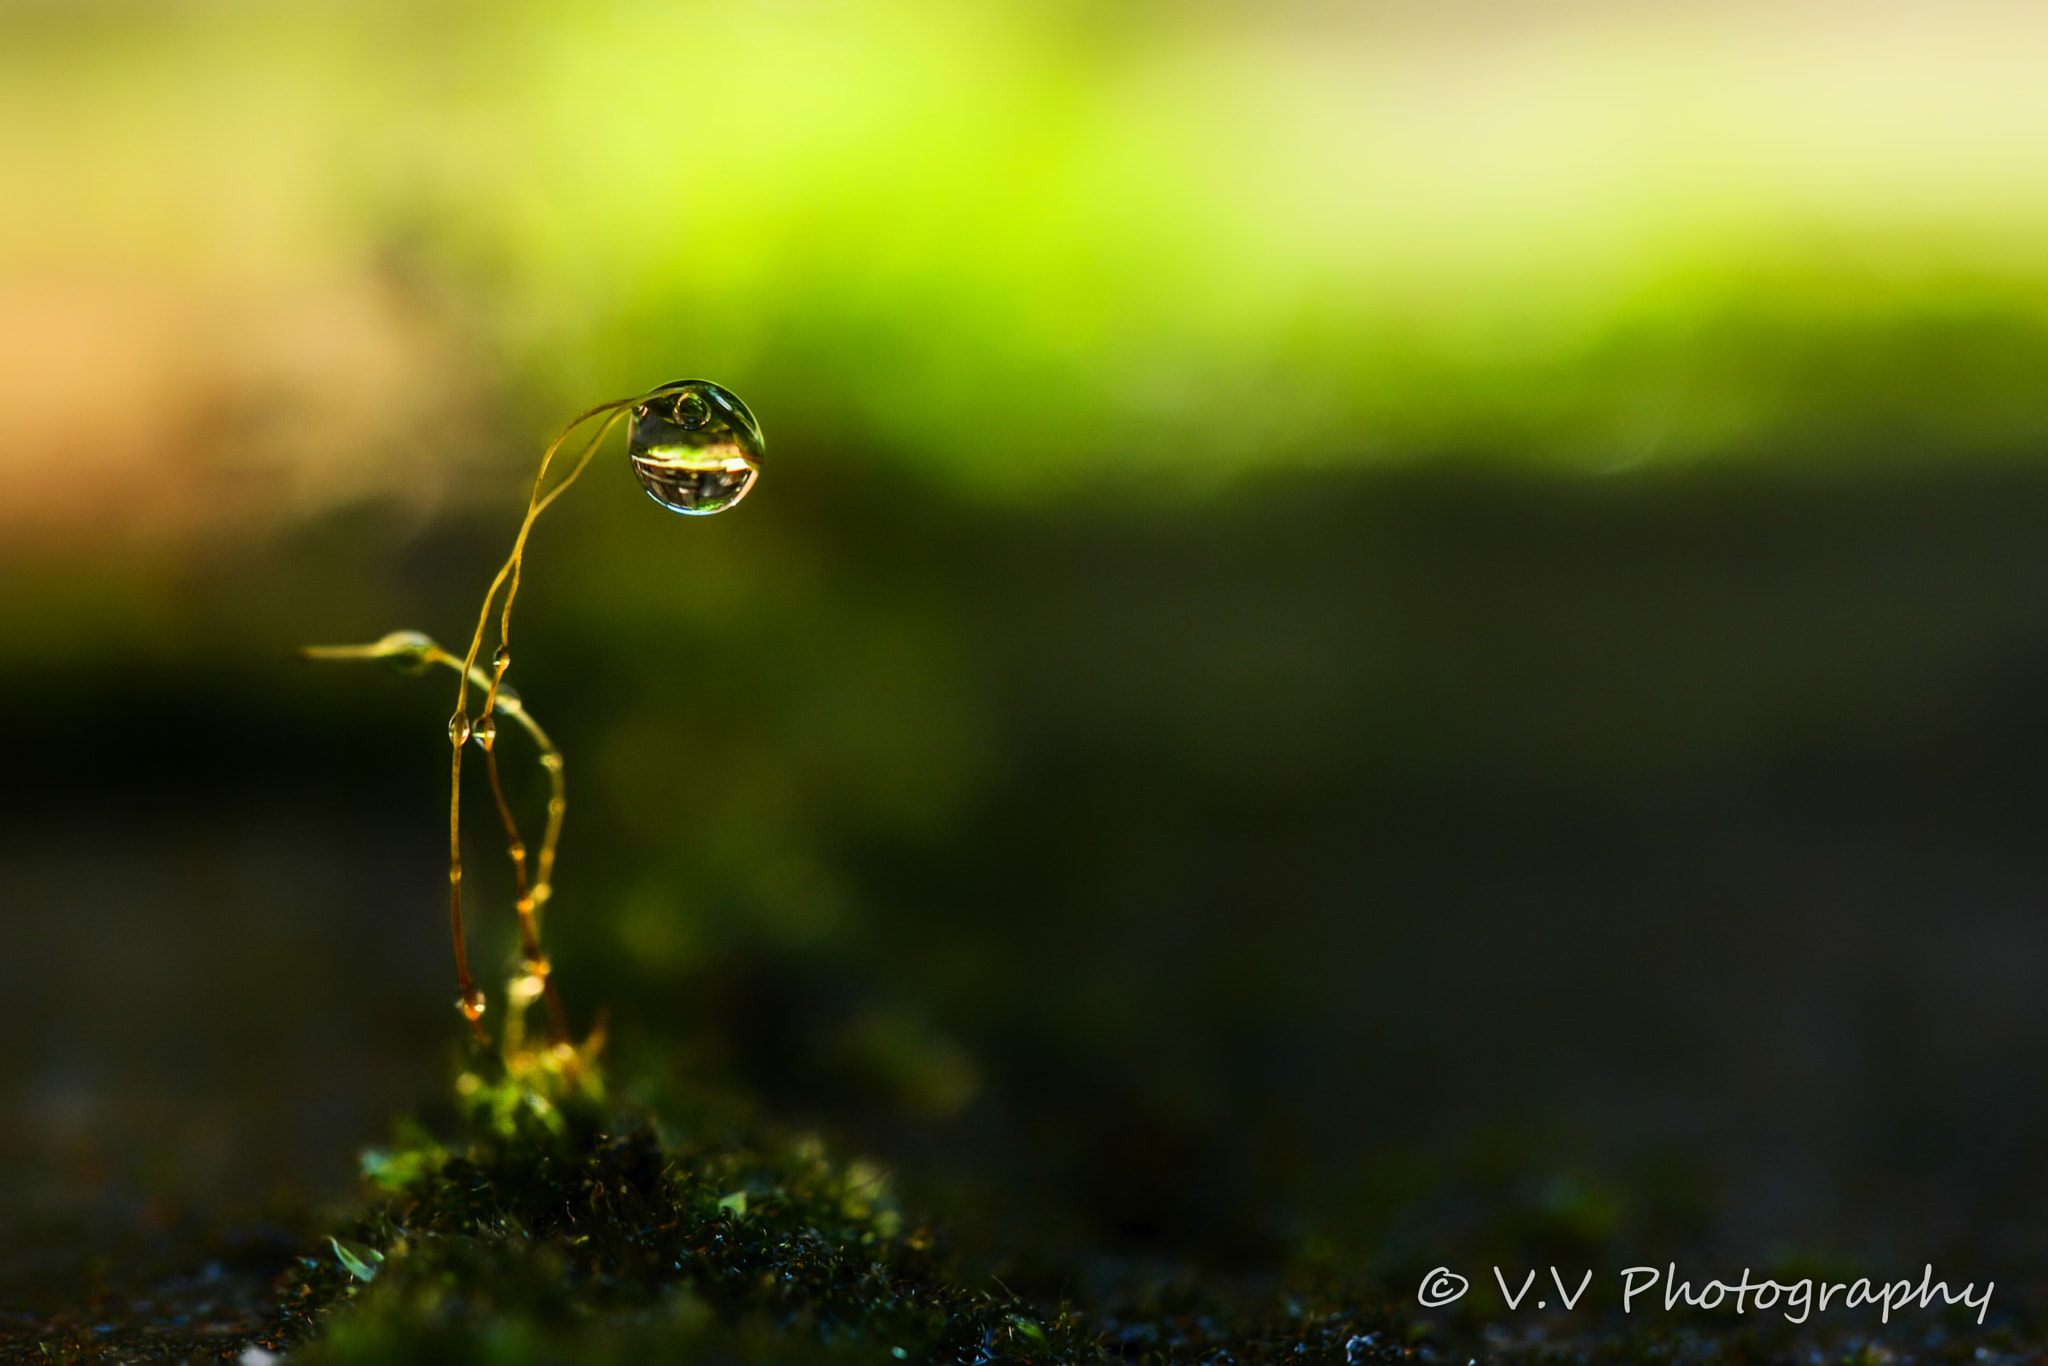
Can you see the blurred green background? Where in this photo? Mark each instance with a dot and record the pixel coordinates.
(1365, 624)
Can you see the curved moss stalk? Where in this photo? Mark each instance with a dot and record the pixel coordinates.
(415, 653)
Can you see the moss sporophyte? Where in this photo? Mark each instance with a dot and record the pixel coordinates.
(697, 450)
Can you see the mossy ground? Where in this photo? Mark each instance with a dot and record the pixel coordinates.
(566, 1228)
(560, 1226)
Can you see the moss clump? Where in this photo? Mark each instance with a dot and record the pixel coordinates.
(563, 1229)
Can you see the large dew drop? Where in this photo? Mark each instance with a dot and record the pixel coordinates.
(695, 447)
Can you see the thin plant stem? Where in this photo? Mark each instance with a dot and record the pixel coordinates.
(537, 966)
(409, 645)
(470, 998)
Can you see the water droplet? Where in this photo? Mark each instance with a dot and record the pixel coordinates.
(502, 660)
(508, 697)
(405, 651)
(458, 728)
(695, 447)
(551, 762)
(470, 1003)
(485, 731)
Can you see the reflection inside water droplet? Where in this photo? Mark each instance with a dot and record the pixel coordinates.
(695, 447)
(485, 731)
(471, 1004)
(458, 728)
(503, 658)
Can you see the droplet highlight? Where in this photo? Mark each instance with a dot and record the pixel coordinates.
(485, 731)
(695, 447)
(458, 729)
(471, 1004)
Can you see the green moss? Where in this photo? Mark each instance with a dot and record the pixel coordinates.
(561, 1228)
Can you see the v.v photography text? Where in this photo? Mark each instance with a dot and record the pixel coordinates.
(1806, 1296)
